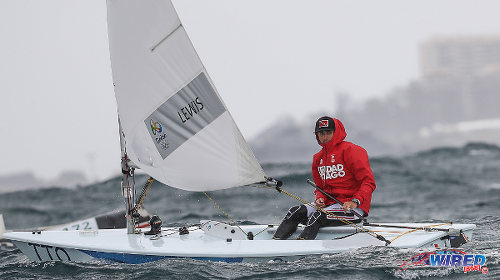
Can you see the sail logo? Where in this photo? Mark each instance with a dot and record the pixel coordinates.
(184, 114)
(331, 172)
(162, 141)
(155, 127)
(448, 258)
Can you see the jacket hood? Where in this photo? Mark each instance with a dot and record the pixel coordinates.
(338, 136)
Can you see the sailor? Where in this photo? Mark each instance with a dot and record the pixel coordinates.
(342, 170)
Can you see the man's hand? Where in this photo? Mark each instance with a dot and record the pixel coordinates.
(320, 202)
(349, 205)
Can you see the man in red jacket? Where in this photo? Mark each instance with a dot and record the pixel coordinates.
(342, 170)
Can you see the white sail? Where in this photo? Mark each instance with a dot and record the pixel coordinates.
(175, 125)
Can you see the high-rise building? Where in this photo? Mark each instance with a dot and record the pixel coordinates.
(471, 56)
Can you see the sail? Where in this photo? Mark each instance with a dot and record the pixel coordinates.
(175, 126)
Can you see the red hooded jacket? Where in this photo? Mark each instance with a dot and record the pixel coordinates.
(342, 169)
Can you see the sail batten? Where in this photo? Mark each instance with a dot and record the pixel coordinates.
(166, 37)
(176, 126)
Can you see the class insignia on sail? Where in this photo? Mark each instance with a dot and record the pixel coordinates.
(173, 119)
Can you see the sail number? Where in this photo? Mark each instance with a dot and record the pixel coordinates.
(82, 225)
(54, 253)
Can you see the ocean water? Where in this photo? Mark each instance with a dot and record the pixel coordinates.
(461, 185)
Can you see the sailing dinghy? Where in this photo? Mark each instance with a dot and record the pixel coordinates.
(175, 127)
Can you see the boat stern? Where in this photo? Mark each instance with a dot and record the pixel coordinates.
(458, 237)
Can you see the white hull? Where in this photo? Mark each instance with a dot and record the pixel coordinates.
(113, 219)
(216, 243)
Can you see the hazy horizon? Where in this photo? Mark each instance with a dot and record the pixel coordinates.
(268, 60)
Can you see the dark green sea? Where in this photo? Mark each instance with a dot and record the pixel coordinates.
(461, 185)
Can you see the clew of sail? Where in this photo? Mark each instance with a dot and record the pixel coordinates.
(175, 126)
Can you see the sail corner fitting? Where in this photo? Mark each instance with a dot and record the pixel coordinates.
(274, 183)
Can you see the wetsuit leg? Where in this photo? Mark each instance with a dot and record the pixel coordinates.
(312, 226)
(297, 214)
(316, 220)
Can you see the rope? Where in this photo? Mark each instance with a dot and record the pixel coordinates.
(268, 226)
(323, 211)
(143, 194)
(362, 229)
(223, 212)
(410, 231)
(173, 231)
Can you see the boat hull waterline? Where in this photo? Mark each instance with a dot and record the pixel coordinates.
(219, 242)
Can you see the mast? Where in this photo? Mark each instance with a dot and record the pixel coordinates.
(128, 192)
(128, 182)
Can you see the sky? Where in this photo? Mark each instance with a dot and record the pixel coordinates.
(269, 59)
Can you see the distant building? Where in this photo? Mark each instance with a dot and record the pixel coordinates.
(475, 55)
(454, 102)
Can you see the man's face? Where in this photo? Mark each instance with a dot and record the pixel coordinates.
(324, 136)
